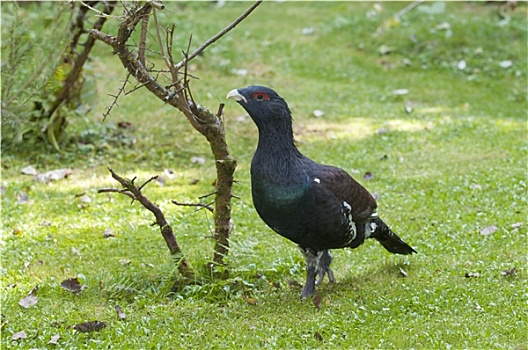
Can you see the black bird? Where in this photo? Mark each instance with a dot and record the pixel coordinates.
(317, 206)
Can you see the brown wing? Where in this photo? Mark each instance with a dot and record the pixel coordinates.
(345, 188)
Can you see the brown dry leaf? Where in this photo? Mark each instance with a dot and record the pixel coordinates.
(317, 299)
(251, 301)
(510, 272)
(368, 176)
(30, 300)
(318, 336)
(55, 339)
(108, 233)
(17, 232)
(294, 283)
(22, 197)
(72, 285)
(19, 335)
(92, 326)
(488, 230)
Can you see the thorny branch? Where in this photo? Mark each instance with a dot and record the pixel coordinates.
(178, 94)
(131, 190)
(219, 35)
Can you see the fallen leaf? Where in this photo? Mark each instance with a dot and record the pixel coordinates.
(318, 336)
(251, 301)
(505, 64)
(124, 261)
(294, 283)
(198, 160)
(318, 113)
(75, 251)
(472, 274)
(92, 326)
(462, 65)
(368, 176)
(120, 312)
(22, 197)
(317, 299)
(517, 225)
(72, 285)
(29, 301)
(403, 272)
(125, 125)
(169, 173)
(240, 72)
(308, 31)
(53, 175)
(488, 230)
(55, 339)
(161, 181)
(85, 199)
(29, 170)
(108, 233)
(384, 50)
(17, 232)
(194, 181)
(510, 272)
(19, 335)
(399, 92)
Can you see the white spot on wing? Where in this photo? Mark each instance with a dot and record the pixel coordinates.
(352, 225)
(317, 180)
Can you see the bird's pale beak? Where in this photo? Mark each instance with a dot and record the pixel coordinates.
(235, 95)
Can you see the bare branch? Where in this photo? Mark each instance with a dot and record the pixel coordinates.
(407, 8)
(120, 91)
(219, 35)
(143, 40)
(117, 190)
(199, 205)
(134, 192)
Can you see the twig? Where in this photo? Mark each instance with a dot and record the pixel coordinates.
(99, 13)
(143, 40)
(134, 192)
(117, 190)
(407, 9)
(114, 102)
(199, 205)
(170, 65)
(219, 35)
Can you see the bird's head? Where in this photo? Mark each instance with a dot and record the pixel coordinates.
(264, 106)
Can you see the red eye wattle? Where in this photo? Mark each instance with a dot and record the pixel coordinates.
(260, 96)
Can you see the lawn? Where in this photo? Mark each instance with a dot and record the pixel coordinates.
(434, 106)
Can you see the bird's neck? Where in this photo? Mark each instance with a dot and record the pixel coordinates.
(277, 159)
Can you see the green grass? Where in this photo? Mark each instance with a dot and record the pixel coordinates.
(453, 166)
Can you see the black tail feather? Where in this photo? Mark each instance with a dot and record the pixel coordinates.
(394, 244)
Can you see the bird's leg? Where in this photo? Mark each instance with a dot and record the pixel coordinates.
(311, 258)
(323, 267)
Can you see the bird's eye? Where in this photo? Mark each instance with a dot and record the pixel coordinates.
(260, 96)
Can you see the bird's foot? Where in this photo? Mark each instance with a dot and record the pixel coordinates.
(323, 267)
